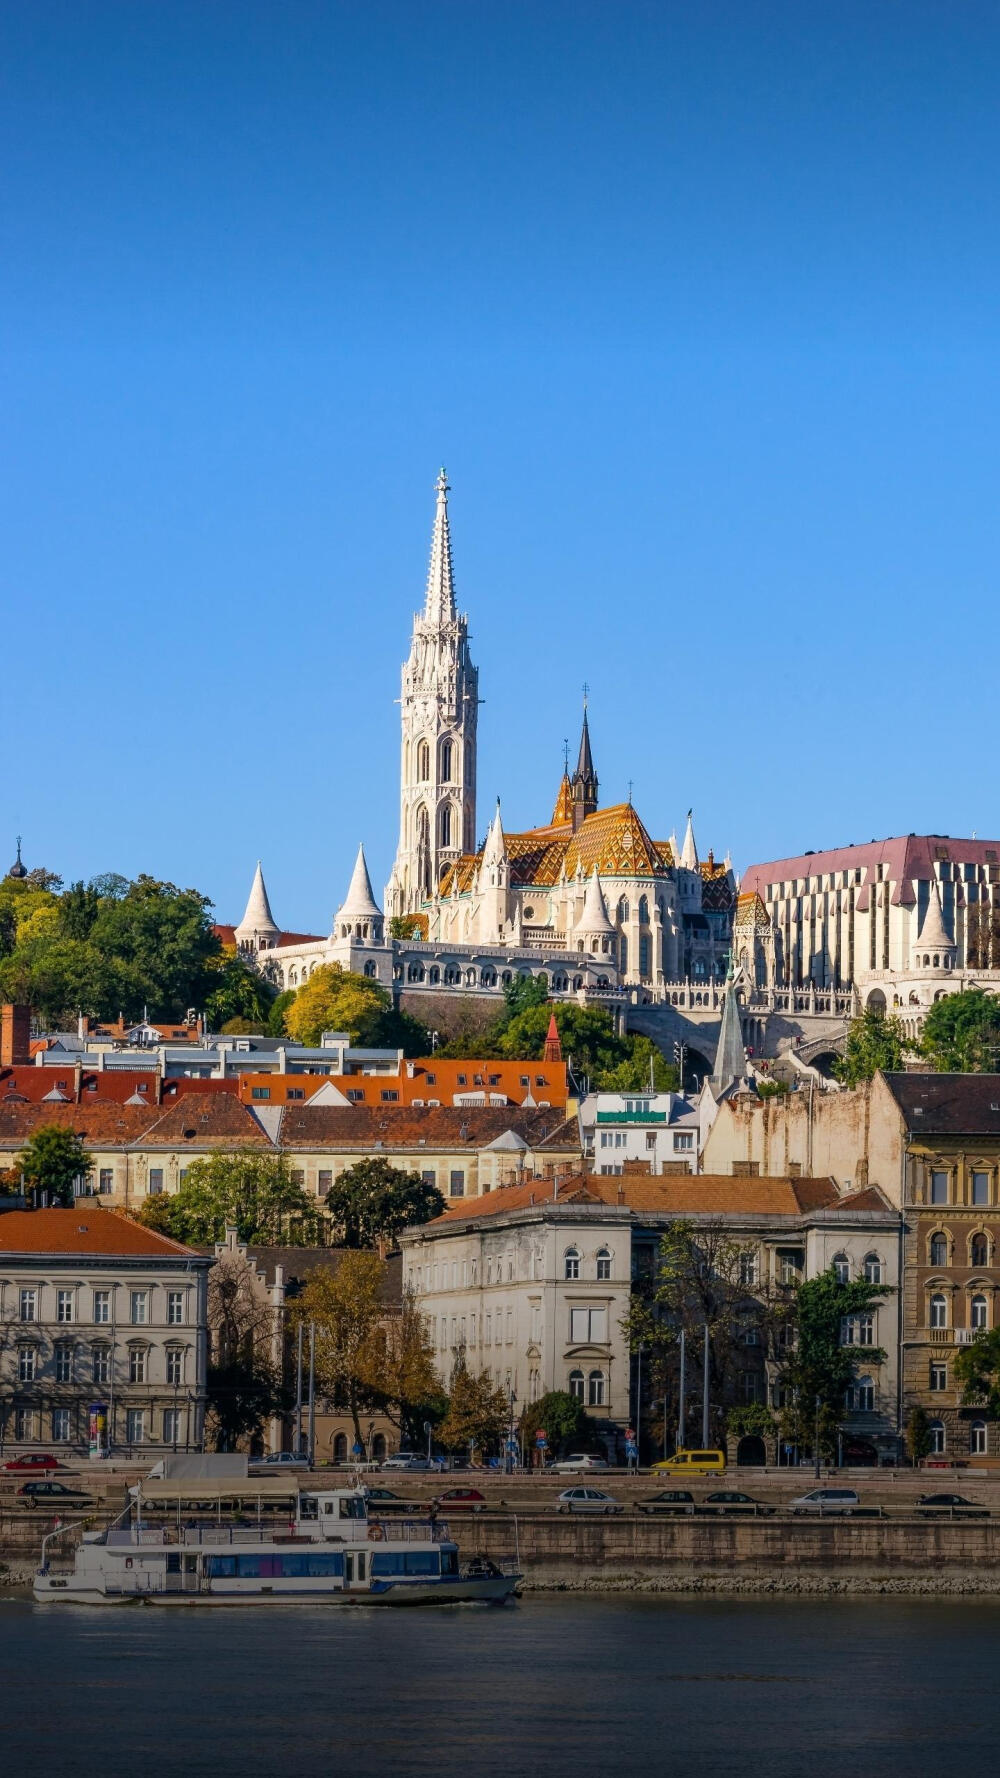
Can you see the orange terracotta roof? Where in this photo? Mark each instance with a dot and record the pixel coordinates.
(562, 814)
(210, 1120)
(670, 1195)
(368, 1128)
(109, 1086)
(612, 841)
(86, 1229)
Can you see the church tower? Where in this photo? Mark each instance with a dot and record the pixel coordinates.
(584, 783)
(440, 708)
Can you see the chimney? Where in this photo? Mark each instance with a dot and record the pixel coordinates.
(15, 1036)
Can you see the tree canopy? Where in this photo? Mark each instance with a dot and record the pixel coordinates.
(562, 1418)
(346, 1306)
(50, 1161)
(478, 1412)
(822, 1366)
(961, 1033)
(335, 999)
(586, 1034)
(249, 1190)
(875, 1042)
(244, 1384)
(977, 1371)
(373, 1200)
(105, 947)
(240, 997)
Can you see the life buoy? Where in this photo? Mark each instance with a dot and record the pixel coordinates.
(376, 1533)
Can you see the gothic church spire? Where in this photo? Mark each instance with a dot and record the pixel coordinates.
(439, 605)
(584, 784)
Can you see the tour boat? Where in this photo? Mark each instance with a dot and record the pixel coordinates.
(325, 1552)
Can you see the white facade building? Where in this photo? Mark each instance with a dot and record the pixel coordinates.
(659, 1131)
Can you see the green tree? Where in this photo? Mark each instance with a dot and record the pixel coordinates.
(50, 1161)
(874, 1042)
(961, 1033)
(373, 1200)
(406, 926)
(523, 992)
(977, 1371)
(772, 1089)
(78, 909)
(562, 1418)
(276, 1016)
(162, 941)
(478, 1413)
(250, 1191)
(821, 1368)
(643, 1068)
(239, 993)
(751, 1420)
(918, 1435)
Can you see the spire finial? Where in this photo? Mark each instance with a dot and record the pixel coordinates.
(439, 605)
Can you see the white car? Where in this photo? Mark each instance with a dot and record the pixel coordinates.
(826, 1500)
(409, 1460)
(579, 1463)
(586, 1500)
(276, 1460)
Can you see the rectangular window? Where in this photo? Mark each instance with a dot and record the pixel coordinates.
(456, 1182)
(175, 1364)
(137, 1364)
(101, 1364)
(27, 1358)
(28, 1305)
(175, 1308)
(139, 1303)
(60, 1426)
(260, 1092)
(298, 1177)
(489, 1328)
(324, 1181)
(980, 1189)
(106, 1181)
(938, 1376)
(748, 1268)
(64, 1363)
(64, 1305)
(155, 1181)
(939, 1188)
(510, 1327)
(172, 1433)
(390, 1096)
(294, 1093)
(135, 1426)
(102, 1306)
(472, 1331)
(588, 1326)
(429, 1176)
(684, 1139)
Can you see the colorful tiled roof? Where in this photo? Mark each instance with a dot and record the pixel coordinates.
(613, 841)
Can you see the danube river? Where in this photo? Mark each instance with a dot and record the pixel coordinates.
(559, 1685)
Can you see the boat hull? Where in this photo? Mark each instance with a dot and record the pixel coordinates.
(491, 1590)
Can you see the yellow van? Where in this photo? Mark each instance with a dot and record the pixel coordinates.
(691, 1463)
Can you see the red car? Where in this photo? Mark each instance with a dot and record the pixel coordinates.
(455, 1500)
(34, 1463)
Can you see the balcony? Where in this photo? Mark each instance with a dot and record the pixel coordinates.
(631, 1117)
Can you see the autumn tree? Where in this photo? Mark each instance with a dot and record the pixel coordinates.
(399, 1367)
(371, 1201)
(478, 1412)
(335, 999)
(346, 1305)
(51, 1159)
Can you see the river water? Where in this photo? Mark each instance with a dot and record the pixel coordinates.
(560, 1684)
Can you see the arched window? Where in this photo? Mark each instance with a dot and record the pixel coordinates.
(939, 1250)
(378, 1447)
(841, 1268)
(644, 910)
(446, 825)
(571, 1259)
(595, 1389)
(340, 1448)
(939, 1310)
(446, 761)
(434, 974)
(623, 910)
(370, 967)
(873, 1269)
(977, 1438)
(935, 1433)
(603, 1265)
(979, 1251)
(977, 1311)
(423, 763)
(576, 1385)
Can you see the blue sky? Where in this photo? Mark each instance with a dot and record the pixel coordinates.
(698, 304)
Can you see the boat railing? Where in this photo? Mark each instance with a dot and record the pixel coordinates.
(408, 1531)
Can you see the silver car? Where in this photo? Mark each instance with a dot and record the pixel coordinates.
(586, 1500)
(827, 1500)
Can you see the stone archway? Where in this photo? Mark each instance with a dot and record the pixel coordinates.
(751, 1453)
(875, 1001)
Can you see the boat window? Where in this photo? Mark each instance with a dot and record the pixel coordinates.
(353, 1507)
(423, 1562)
(449, 1561)
(221, 1567)
(386, 1563)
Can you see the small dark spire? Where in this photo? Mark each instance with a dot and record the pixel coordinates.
(584, 778)
(17, 869)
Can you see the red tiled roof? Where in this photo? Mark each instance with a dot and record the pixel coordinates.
(216, 1119)
(109, 1086)
(408, 1126)
(692, 1194)
(85, 1229)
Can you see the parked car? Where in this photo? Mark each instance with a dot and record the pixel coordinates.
(35, 1462)
(383, 1500)
(586, 1500)
(826, 1500)
(407, 1460)
(951, 1503)
(465, 1500)
(690, 1463)
(581, 1461)
(53, 1494)
(730, 1500)
(671, 1500)
(276, 1460)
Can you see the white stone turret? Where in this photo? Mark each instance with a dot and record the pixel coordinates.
(935, 950)
(359, 915)
(689, 851)
(594, 930)
(258, 930)
(494, 874)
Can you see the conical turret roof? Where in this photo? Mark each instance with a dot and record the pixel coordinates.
(439, 604)
(562, 814)
(258, 918)
(934, 932)
(689, 851)
(594, 920)
(359, 903)
(495, 849)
